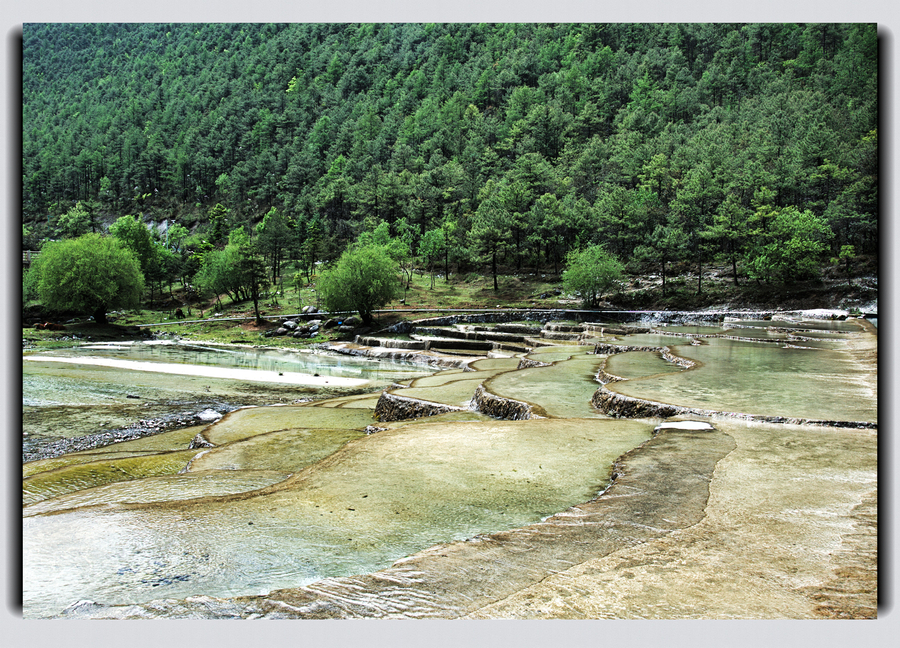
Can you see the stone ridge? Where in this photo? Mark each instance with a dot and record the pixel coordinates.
(621, 406)
(392, 407)
(527, 363)
(505, 408)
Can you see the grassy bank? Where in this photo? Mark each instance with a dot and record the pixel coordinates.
(224, 321)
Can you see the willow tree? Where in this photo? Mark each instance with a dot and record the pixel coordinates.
(591, 273)
(364, 279)
(92, 274)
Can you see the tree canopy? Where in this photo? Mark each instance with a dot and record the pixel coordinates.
(364, 279)
(791, 246)
(519, 141)
(591, 273)
(91, 274)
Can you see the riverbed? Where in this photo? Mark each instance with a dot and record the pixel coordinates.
(75, 397)
(312, 508)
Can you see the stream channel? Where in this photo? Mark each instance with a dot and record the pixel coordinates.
(187, 474)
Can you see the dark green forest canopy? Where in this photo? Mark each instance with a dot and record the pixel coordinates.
(578, 133)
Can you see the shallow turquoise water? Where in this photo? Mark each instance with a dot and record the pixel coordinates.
(379, 497)
(764, 379)
(262, 360)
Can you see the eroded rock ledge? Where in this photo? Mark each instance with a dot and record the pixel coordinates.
(664, 352)
(604, 377)
(621, 406)
(505, 408)
(392, 407)
(413, 357)
(389, 343)
(528, 363)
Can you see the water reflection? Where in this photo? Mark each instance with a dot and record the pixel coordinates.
(759, 378)
(291, 494)
(82, 390)
(148, 356)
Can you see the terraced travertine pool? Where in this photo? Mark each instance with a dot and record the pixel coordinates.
(317, 509)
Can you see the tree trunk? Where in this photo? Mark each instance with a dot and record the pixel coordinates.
(255, 295)
(663, 265)
(494, 268)
(699, 276)
(100, 315)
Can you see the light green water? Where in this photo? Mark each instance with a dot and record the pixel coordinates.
(248, 422)
(639, 364)
(381, 497)
(557, 353)
(82, 476)
(765, 379)
(294, 493)
(563, 389)
(285, 450)
(164, 488)
(498, 364)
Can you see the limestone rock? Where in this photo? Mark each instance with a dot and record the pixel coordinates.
(209, 415)
(391, 407)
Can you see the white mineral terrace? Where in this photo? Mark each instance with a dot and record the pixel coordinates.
(251, 375)
(338, 509)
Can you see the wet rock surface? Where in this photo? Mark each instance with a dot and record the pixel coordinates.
(851, 590)
(392, 407)
(787, 534)
(505, 408)
(658, 488)
(760, 517)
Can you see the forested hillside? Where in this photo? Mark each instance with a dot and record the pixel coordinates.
(752, 145)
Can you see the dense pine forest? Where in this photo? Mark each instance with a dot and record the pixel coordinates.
(749, 145)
